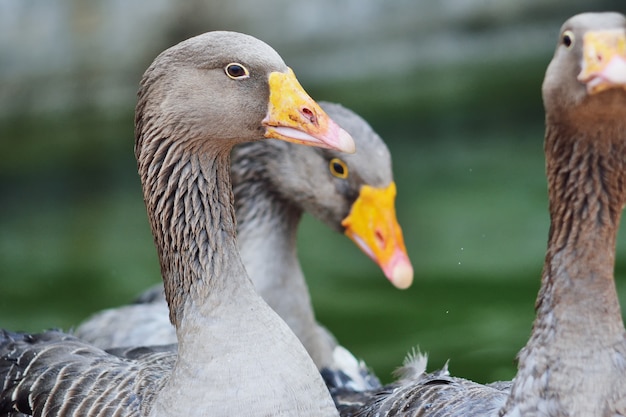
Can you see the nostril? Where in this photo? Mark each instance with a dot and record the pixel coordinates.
(309, 114)
(380, 239)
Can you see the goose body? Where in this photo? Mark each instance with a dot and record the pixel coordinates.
(274, 183)
(575, 360)
(235, 355)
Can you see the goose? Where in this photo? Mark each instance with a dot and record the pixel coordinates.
(235, 355)
(274, 182)
(575, 359)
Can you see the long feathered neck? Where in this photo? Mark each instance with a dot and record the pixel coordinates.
(227, 335)
(189, 202)
(587, 190)
(575, 358)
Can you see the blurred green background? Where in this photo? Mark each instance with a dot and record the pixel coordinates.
(452, 86)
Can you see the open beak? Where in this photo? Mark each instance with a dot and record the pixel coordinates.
(293, 116)
(373, 226)
(604, 60)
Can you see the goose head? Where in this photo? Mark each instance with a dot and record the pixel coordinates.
(353, 194)
(585, 81)
(227, 87)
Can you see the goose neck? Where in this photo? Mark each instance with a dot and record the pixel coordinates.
(587, 190)
(189, 202)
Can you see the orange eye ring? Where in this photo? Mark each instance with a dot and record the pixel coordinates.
(338, 168)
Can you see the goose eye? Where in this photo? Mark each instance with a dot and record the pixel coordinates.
(338, 168)
(568, 38)
(236, 71)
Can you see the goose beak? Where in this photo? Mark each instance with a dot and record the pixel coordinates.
(604, 60)
(373, 226)
(293, 116)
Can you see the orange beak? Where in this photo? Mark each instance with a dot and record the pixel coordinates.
(293, 116)
(373, 226)
(604, 60)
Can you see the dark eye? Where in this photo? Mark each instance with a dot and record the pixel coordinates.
(568, 38)
(235, 70)
(338, 168)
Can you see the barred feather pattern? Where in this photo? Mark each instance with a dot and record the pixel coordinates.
(53, 373)
(421, 394)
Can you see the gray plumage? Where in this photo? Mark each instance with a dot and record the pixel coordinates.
(274, 182)
(575, 360)
(417, 393)
(235, 355)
